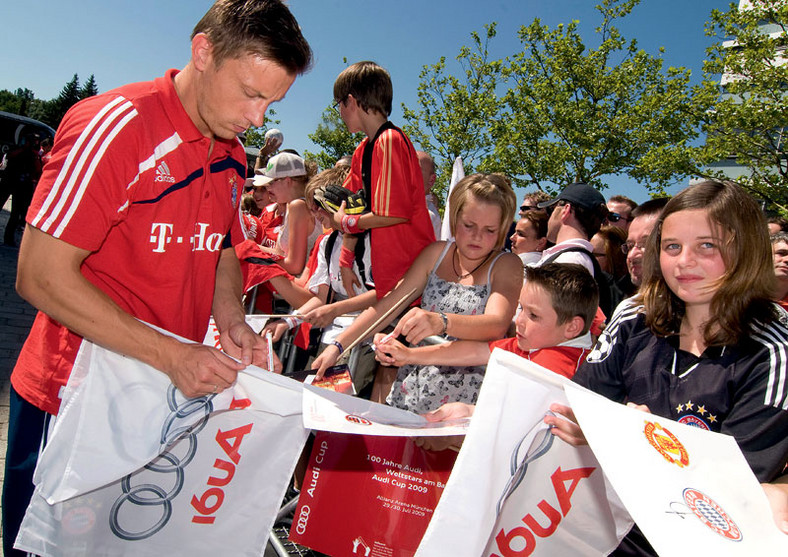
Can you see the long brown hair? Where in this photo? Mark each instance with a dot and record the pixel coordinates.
(743, 292)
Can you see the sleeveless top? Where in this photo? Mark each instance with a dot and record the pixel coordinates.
(284, 235)
(422, 389)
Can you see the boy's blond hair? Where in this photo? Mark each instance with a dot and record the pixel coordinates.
(572, 290)
(370, 85)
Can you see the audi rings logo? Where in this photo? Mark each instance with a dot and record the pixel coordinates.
(181, 423)
(303, 518)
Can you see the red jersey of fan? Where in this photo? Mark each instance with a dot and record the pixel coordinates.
(564, 360)
(389, 165)
(134, 182)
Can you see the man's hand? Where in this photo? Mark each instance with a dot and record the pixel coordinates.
(242, 343)
(563, 428)
(447, 412)
(278, 328)
(777, 494)
(199, 370)
(350, 281)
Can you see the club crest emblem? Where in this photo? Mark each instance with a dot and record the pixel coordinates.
(357, 420)
(234, 190)
(711, 514)
(667, 444)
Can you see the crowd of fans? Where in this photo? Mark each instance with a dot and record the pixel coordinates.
(653, 304)
(681, 296)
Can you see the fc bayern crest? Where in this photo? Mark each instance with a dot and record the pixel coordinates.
(667, 444)
(711, 514)
(234, 189)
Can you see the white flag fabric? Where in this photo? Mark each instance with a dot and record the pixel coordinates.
(111, 482)
(97, 437)
(690, 482)
(457, 174)
(515, 488)
(327, 410)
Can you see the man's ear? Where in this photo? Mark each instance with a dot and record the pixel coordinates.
(202, 51)
(574, 327)
(566, 212)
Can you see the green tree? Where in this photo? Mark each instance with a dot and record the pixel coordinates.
(560, 111)
(89, 88)
(748, 123)
(576, 113)
(334, 139)
(18, 102)
(9, 102)
(454, 115)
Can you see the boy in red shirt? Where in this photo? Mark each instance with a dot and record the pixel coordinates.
(559, 301)
(385, 167)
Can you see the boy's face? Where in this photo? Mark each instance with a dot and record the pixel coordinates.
(537, 325)
(349, 110)
(323, 216)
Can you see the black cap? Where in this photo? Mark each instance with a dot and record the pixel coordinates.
(581, 195)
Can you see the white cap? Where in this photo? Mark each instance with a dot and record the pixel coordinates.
(282, 165)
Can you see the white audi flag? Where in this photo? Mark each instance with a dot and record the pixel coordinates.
(134, 468)
(515, 488)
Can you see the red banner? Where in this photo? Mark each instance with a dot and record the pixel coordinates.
(368, 496)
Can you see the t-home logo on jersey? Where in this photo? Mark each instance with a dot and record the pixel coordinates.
(163, 234)
(163, 174)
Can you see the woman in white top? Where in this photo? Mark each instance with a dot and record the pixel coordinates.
(285, 178)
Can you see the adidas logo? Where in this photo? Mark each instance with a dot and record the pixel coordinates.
(163, 174)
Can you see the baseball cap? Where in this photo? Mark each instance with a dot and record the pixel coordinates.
(582, 195)
(282, 165)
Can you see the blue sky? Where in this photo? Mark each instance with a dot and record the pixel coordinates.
(44, 43)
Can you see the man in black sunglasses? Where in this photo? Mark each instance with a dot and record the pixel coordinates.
(532, 200)
(620, 210)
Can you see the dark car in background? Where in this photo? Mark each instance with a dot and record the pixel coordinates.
(14, 127)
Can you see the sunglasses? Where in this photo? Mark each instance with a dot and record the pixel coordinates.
(528, 208)
(615, 217)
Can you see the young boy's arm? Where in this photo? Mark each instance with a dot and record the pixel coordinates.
(456, 353)
(365, 221)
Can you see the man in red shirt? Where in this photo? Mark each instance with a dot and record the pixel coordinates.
(134, 221)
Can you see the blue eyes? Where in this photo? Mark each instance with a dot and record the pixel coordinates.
(675, 248)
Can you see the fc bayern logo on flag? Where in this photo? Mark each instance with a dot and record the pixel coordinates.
(711, 514)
